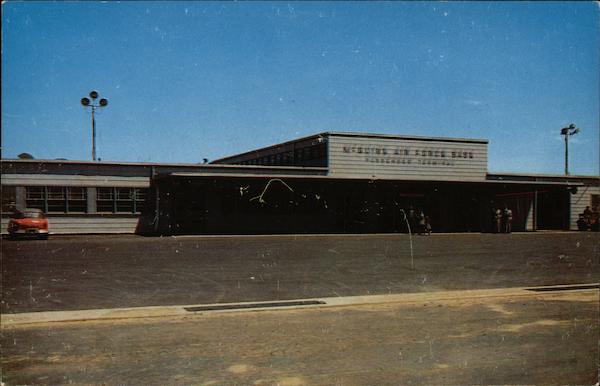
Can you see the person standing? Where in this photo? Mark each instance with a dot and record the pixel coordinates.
(428, 225)
(421, 221)
(582, 225)
(587, 216)
(498, 218)
(412, 219)
(507, 219)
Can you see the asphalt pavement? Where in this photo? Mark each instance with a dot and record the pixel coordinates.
(446, 310)
(97, 272)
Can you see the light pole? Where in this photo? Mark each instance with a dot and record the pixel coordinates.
(87, 103)
(567, 132)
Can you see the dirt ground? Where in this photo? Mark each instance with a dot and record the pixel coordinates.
(545, 338)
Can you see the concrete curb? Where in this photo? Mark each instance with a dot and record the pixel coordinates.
(51, 317)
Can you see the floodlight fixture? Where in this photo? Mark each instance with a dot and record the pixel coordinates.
(87, 103)
(567, 132)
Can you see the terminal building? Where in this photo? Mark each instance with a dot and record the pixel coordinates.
(332, 182)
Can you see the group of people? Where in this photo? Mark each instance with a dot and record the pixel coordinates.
(419, 222)
(503, 220)
(588, 220)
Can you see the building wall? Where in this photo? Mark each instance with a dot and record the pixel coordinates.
(574, 203)
(579, 201)
(86, 218)
(74, 180)
(358, 158)
(310, 152)
(407, 159)
(87, 224)
(91, 180)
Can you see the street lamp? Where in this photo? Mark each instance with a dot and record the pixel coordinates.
(567, 132)
(87, 103)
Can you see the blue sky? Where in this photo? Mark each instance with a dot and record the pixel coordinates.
(193, 80)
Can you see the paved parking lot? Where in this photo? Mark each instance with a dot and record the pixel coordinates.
(88, 272)
(456, 337)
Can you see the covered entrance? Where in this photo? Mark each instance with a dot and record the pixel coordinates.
(259, 204)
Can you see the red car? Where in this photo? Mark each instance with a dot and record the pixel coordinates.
(28, 222)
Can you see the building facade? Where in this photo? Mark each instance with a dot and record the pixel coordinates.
(326, 183)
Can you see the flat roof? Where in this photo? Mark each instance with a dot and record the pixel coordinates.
(303, 171)
(323, 177)
(409, 137)
(542, 175)
(85, 162)
(207, 166)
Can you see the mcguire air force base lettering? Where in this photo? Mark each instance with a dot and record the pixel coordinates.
(409, 155)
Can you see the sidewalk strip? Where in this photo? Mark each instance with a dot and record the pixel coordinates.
(34, 318)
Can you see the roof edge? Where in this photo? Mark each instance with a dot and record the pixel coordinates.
(402, 136)
(156, 164)
(542, 175)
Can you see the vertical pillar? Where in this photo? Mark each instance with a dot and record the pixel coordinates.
(567, 219)
(45, 199)
(20, 197)
(114, 199)
(91, 200)
(567, 153)
(535, 209)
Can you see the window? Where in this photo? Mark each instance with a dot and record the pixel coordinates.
(31, 213)
(76, 200)
(288, 158)
(36, 197)
(124, 198)
(120, 200)
(595, 201)
(139, 199)
(57, 199)
(105, 200)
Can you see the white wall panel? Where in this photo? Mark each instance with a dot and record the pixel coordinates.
(580, 200)
(91, 224)
(407, 159)
(74, 180)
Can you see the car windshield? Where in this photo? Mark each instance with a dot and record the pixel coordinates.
(28, 214)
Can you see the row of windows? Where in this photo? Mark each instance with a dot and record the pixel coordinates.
(297, 157)
(120, 200)
(58, 199)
